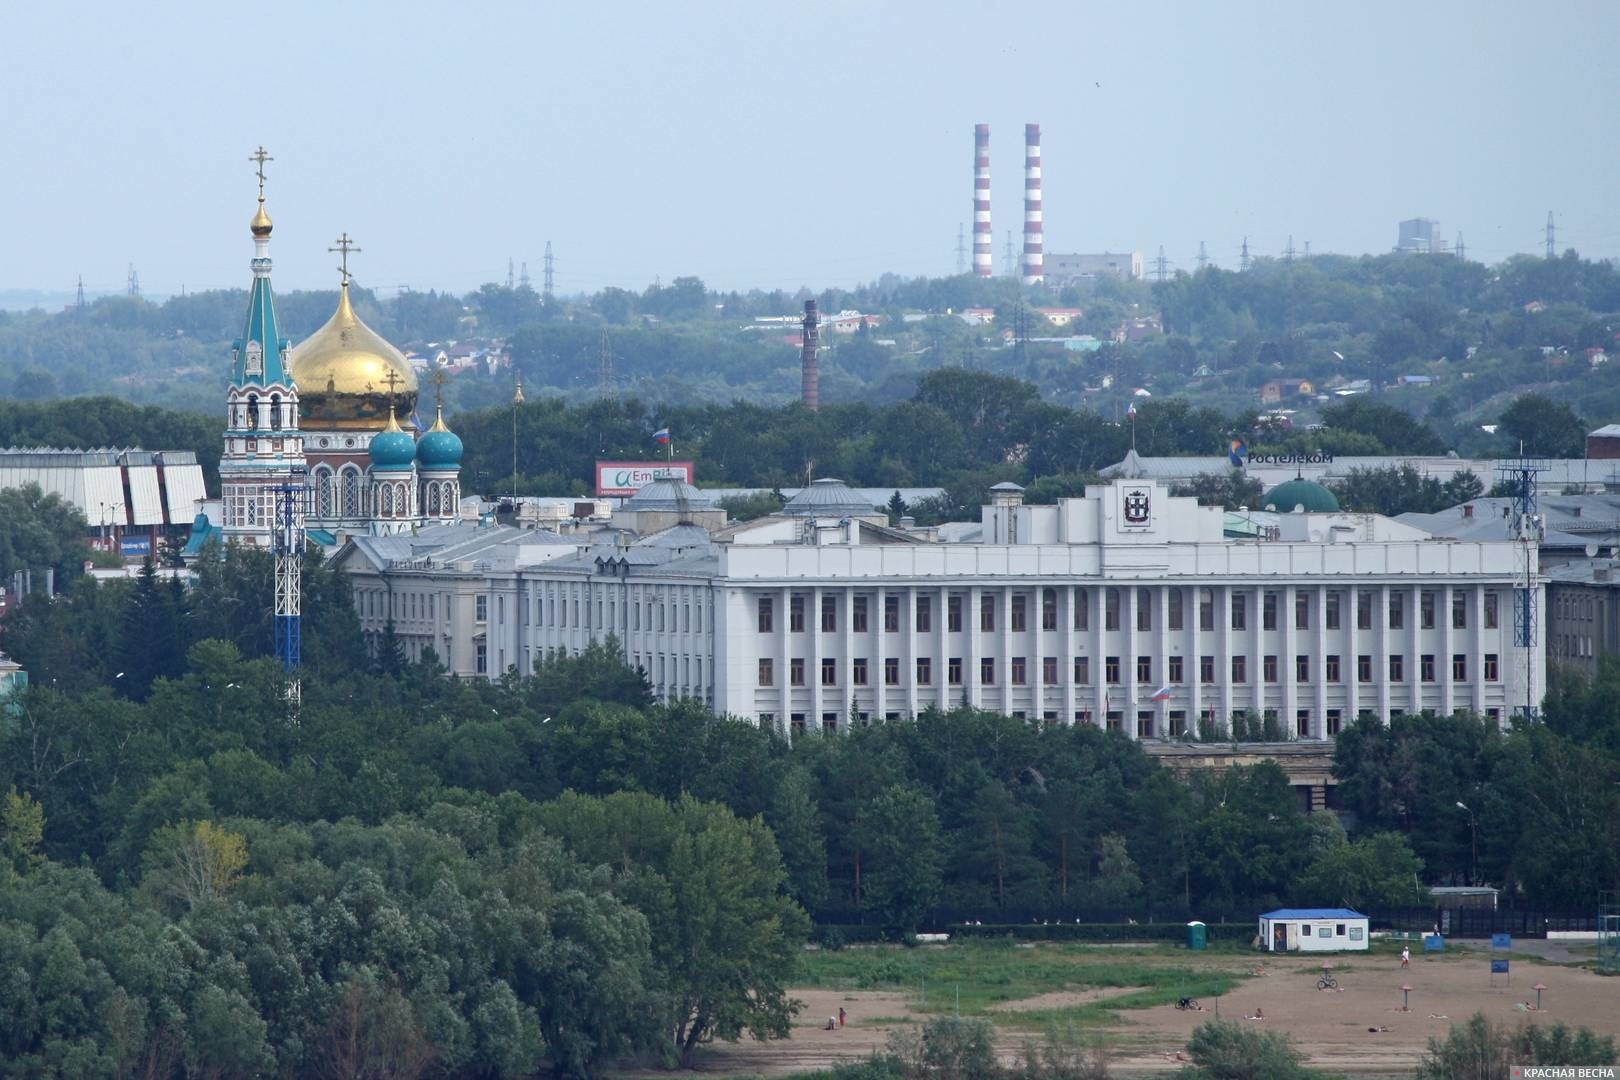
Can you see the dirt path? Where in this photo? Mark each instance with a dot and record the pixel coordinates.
(1330, 1027)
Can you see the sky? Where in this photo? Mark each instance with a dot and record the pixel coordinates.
(765, 144)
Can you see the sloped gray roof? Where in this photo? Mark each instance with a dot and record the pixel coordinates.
(827, 498)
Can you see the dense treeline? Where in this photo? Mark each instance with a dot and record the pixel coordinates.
(467, 879)
(1483, 334)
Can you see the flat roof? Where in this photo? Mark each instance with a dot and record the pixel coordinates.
(1313, 913)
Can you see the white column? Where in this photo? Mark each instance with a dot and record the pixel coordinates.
(1285, 659)
(970, 628)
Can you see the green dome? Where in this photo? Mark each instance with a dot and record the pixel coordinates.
(1306, 494)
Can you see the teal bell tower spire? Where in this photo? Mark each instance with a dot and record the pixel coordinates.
(264, 450)
(262, 351)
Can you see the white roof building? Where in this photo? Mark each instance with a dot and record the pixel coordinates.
(1126, 608)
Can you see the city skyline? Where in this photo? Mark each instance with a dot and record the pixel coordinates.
(754, 149)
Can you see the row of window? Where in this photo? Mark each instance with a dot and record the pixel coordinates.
(1148, 724)
(1020, 604)
(555, 607)
(1018, 670)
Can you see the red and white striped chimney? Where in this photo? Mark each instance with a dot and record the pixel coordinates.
(1034, 267)
(983, 239)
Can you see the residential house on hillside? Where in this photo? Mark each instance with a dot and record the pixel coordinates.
(1275, 390)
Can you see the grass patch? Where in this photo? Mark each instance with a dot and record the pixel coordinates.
(975, 976)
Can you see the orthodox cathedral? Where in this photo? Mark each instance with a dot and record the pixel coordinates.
(323, 418)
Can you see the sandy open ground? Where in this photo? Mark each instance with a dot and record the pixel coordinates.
(1331, 1027)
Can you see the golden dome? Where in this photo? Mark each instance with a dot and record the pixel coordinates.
(342, 371)
(261, 222)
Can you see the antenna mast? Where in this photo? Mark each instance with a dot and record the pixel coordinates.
(288, 542)
(1528, 529)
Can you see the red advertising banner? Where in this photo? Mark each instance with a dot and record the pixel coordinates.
(629, 477)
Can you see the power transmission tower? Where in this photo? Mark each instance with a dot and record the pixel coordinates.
(523, 276)
(1552, 237)
(546, 278)
(604, 369)
(1010, 261)
(1243, 260)
(510, 282)
(1203, 256)
(1461, 249)
(1160, 265)
(1288, 252)
(1021, 332)
(961, 250)
(135, 277)
(1307, 249)
(78, 304)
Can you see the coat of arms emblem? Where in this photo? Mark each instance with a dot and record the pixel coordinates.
(1137, 506)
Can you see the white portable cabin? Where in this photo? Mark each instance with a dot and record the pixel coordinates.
(1313, 930)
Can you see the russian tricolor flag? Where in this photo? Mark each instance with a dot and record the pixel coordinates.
(661, 435)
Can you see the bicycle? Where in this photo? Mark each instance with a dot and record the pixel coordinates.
(1327, 982)
(1189, 1004)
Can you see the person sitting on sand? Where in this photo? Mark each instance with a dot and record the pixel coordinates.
(1259, 1014)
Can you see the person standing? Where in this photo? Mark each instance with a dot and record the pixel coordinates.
(1406, 956)
(841, 1016)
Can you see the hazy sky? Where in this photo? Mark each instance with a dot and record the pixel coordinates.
(772, 144)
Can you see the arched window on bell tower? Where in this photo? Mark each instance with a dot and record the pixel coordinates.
(275, 412)
(253, 412)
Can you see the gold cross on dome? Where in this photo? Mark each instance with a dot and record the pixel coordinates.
(344, 245)
(437, 379)
(261, 157)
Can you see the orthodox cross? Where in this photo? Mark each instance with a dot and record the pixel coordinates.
(344, 245)
(261, 157)
(437, 378)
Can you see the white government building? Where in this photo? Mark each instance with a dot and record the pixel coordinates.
(1127, 608)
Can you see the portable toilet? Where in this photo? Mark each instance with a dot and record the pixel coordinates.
(1197, 935)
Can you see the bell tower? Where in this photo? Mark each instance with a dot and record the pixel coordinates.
(264, 450)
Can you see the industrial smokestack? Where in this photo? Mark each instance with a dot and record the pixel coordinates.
(809, 377)
(983, 239)
(1034, 228)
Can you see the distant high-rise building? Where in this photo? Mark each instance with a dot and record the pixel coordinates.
(1419, 236)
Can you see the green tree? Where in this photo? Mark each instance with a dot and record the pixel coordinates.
(1480, 1049)
(901, 838)
(1225, 1050)
(1544, 427)
(1375, 871)
(1231, 490)
(724, 933)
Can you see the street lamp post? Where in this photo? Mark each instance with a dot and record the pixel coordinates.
(1473, 844)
